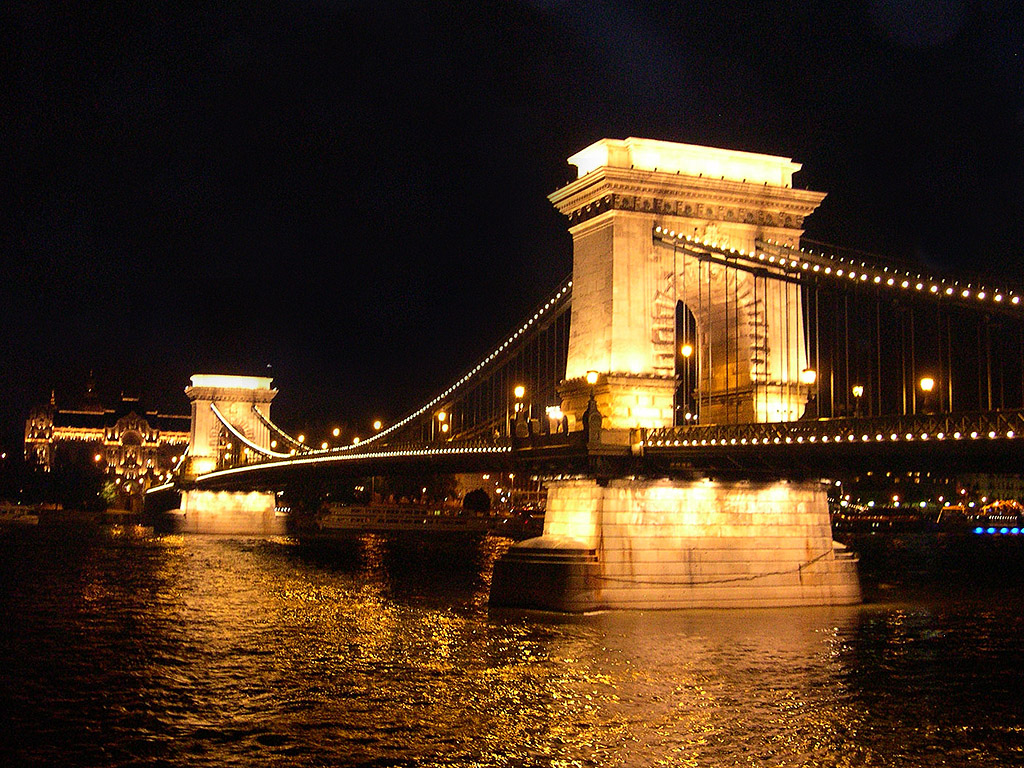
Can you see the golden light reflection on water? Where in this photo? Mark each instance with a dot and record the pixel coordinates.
(377, 650)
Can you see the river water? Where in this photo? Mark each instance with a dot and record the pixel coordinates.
(127, 648)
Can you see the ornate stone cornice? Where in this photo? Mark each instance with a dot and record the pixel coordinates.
(668, 194)
(230, 394)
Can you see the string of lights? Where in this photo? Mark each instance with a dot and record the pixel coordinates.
(564, 294)
(1003, 425)
(839, 268)
(336, 456)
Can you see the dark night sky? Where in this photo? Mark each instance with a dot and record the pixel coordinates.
(354, 193)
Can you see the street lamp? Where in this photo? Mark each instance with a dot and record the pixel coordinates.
(858, 393)
(377, 425)
(807, 377)
(927, 384)
(512, 410)
(336, 431)
(519, 392)
(686, 352)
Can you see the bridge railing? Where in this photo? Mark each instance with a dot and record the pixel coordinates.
(979, 425)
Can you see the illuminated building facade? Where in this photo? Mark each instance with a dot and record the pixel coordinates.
(136, 448)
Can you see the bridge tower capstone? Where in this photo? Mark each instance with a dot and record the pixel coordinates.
(212, 446)
(751, 346)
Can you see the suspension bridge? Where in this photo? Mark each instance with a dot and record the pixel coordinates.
(681, 394)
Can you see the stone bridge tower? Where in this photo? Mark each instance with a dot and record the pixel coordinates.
(750, 335)
(235, 397)
(212, 446)
(680, 542)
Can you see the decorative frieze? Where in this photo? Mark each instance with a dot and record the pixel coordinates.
(687, 208)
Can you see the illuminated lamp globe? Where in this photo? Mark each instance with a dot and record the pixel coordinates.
(927, 383)
(591, 378)
(686, 350)
(808, 376)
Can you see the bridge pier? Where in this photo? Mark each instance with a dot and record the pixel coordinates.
(662, 544)
(229, 512)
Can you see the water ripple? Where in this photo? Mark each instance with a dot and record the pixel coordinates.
(218, 651)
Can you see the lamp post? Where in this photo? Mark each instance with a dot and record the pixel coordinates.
(927, 384)
(686, 351)
(518, 393)
(808, 377)
(858, 393)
